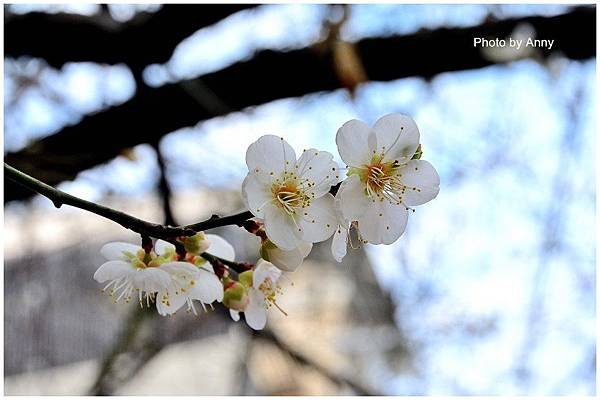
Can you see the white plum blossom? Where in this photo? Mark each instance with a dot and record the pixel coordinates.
(193, 279)
(189, 282)
(291, 195)
(383, 179)
(129, 268)
(262, 289)
(286, 260)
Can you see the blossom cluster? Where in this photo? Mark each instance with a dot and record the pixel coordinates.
(296, 201)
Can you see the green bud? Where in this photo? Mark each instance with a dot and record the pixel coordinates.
(246, 278)
(196, 244)
(235, 296)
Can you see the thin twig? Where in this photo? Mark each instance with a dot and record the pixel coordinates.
(158, 231)
(216, 221)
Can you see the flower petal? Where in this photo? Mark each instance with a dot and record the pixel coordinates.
(112, 270)
(319, 220)
(339, 244)
(235, 315)
(420, 175)
(383, 222)
(287, 260)
(256, 194)
(207, 289)
(319, 170)
(256, 313)
(220, 247)
(180, 268)
(151, 280)
(351, 200)
(116, 250)
(161, 247)
(395, 135)
(264, 270)
(169, 304)
(352, 143)
(281, 228)
(305, 248)
(270, 154)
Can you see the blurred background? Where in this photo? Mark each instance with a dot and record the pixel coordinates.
(150, 109)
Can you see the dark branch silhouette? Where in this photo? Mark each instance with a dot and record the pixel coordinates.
(148, 39)
(271, 75)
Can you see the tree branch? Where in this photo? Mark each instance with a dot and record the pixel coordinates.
(58, 197)
(61, 38)
(158, 231)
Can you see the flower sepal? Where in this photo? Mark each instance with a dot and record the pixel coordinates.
(246, 277)
(235, 296)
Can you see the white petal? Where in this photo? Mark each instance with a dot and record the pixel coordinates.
(352, 143)
(286, 260)
(151, 279)
(235, 315)
(220, 247)
(319, 220)
(281, 228)
(207, 289)
(289, 260)
(112, 270)
(383, 222)
(339, 243)
(257, 194)
(207, 267)
(317, 169)
(265, 270)
(305, 248)
(421, 175)
(115, 250)
(176, 301)
(351, 200)
(256, 313)
(396, 135)
(270, 154)
(180, 268)
(161, 247)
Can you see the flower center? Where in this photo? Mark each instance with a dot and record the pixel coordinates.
(289, 196)
(271, 291)
(382, 180)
